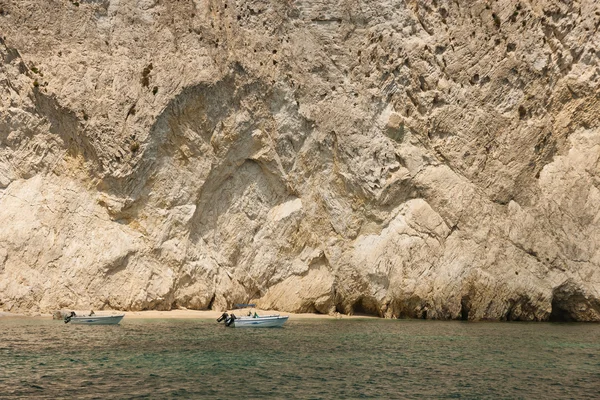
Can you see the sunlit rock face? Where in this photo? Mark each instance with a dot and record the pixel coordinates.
(425, 159)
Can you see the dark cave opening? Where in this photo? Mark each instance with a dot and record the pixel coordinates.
(464, 308)
(571, 303)
(559, 312)
(365, 306)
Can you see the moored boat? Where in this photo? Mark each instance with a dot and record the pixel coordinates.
(255, 321)
(94, 319)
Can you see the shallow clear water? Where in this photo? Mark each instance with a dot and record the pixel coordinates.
(308, 359)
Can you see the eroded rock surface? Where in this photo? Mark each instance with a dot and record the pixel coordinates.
(426, 159)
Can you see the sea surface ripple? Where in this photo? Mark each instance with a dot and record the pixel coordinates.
(306, 359)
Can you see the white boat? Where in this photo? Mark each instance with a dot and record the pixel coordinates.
(256, 321)
(267, 321)
(94, 319)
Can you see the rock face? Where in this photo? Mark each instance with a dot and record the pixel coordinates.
(426, 159)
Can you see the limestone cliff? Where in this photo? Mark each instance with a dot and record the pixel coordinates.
(432, 159)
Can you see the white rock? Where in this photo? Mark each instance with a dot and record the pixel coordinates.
(430, 162)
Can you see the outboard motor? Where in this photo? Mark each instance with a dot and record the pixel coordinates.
(68, 317)
(223, 316)
(230, 320)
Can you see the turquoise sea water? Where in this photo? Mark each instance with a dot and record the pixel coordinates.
(307, 359)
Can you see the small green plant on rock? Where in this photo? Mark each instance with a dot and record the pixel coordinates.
(496, 20)
(145, 80)
(134, 146)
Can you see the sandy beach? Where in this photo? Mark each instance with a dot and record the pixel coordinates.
(209, 314)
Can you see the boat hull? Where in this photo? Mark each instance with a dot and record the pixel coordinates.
(97, 320)
(260, 322)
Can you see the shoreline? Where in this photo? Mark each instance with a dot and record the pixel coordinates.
(189, 314)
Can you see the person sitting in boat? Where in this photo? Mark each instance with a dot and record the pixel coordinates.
(68, 317)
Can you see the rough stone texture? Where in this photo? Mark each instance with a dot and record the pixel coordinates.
(426, 159)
